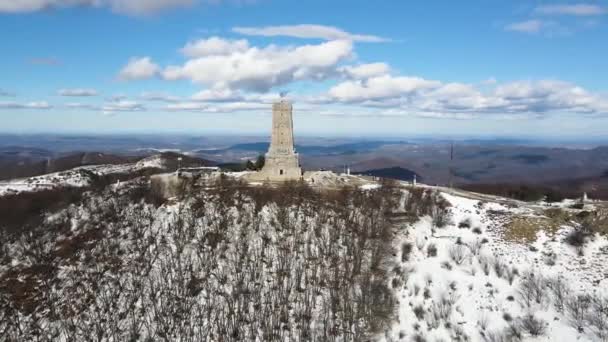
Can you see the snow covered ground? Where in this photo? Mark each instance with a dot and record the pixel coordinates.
(464, 281)
(225, 264)
(77, 177)
(71, 178)
(495, 270)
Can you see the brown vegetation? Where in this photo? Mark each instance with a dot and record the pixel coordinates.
(234, 262)
(522, 192)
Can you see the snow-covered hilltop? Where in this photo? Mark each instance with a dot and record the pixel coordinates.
(86, 176)
(79, 177)
(502, 272)
(340, 258)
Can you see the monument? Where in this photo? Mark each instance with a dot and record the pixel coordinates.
(282, 160)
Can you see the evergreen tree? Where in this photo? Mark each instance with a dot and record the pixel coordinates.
(259, 163)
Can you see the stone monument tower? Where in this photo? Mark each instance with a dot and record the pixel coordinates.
(282, 160)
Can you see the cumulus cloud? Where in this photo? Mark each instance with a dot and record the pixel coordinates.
(550, 95)
(443, 115)
(459, 100)
(242, 106)
(379, 87)
(111, 107)
(364, 71)
(130, 7)
(237, 76)
(29, 105)
(12, 6)
(187, 106)
(456, 98)
(117, 97)
(217, 95)
(556, 26)
(214, 46)
(154, 96)
(489, 81)
(78, 105)
(228, 107)
(139, 69)
(259, 69)
(528, 26)
(122, 106)
(146, 7)
(308, 31)
(574, 9)
(77, 92)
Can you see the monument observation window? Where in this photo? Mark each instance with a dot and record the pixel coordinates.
(280, 172)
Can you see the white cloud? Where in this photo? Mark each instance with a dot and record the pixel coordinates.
(187, 106)
(16, 6)
(117, 97)
(77, 105)
(243, 106)
(489, 81)
(575, 9)
(443, 115)
(364, 71)
(308, 31)
(459, 101)
(122, 106)
(527, 97)
(456, 98)
(550, 96)
(146, 7)
(264, 98)
(380, 87)
(214, 46)
(138, 69)
(109, 108)
(528, 26)
(228, 107)
(77, 92)
(260, 69)
(558, 27)
(29, 105)
(217, 95)
(130, 7)
(237, 75)
(162, 97)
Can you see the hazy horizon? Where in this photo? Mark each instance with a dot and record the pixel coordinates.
(228, 138)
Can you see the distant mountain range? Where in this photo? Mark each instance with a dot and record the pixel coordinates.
(20, 162)
(340, 149)
(475, 161)
(17, 162)
(393, 173)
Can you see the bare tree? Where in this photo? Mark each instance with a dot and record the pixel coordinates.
(577, 309)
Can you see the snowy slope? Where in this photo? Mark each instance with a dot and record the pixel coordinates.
(71, 178)
(78, 177)
(471, 289)
(225, 264)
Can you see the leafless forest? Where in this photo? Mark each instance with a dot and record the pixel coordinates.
(224, 262)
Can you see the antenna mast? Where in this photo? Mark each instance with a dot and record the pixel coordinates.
(450, 165)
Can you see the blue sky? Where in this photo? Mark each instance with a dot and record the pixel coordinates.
(514, 68)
